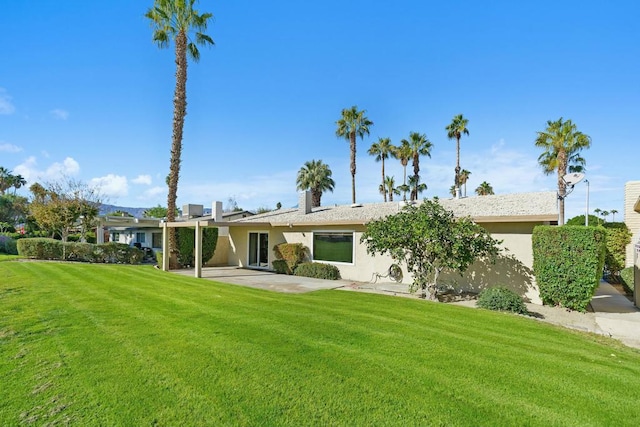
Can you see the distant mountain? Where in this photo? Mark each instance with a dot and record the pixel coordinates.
(136, 212)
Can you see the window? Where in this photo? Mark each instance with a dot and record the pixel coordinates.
(140, 237)
(115, 237)
(156, 240)
(333, 246)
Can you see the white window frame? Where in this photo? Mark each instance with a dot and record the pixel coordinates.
(353, 246)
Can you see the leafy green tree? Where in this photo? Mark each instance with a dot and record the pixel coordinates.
(456, 129)
(6, 180)
(383, 149)
(484, 189)
(353, 123)
(420, 146)
(180, 22)
(562, 143)
(404, 153)
(64, 205)
(315, 176)
(428, 239)
(579, 220)
(13, 209)
(155, 212)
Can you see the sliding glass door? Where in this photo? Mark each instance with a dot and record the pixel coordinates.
(259, 250)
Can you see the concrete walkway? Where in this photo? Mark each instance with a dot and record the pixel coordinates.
(615, 315)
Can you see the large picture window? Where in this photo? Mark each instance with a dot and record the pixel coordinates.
(333, 246)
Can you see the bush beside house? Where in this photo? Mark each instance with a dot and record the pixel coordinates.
(317, 270)
(568, 263)
(288, 257)
(51, 249)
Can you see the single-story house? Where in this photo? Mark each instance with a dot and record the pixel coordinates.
(130, 230)
(328, 230)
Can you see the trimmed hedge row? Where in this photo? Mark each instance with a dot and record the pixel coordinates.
(51, 249)
(317, 270)
(568, 263)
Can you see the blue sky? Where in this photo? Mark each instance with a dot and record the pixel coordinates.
(84, 92)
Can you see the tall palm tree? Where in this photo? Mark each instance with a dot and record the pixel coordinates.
(456, 129)
(416, 186)
(562, 144)
(383, 149)
(420, 145)
(18, 182)
(390, 187)
(614, 212)
(404, 153)
(353, 123)
(605, 214)
(597, 212)
(315, 176)
(484, 189)
(178, 21)
(464, 177)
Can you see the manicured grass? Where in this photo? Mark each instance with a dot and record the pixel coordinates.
(131, 345)
(5, 257)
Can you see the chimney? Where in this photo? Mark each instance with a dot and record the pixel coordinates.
(304, 202)
(191, 211)
(216, 211)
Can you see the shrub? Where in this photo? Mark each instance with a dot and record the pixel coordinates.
(40, 248)
(567, 263)
(618, 237)
(626, 276)
(187, 241)
(317, 270)
(117, 253)
(8, 245)
(291, 253)
(81, 252)
(280, 266)
(159, 259)
(501, 299)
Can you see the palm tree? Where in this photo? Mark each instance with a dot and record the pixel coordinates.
(605, 214)
(404, 152)
(455, 129)
(420, 145)
(18, 182)
(614, 212)
(383, 149)
(416, 186)
(464, 177)
(315, 176)
(597, 212)
(390, 187)
(176, 20)
(452, 191)
(353, 123)
(562, 144)
(6, 179)
(484, 189)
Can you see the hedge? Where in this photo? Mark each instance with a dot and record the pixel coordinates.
(568, 263)
(51, 249)
(317, 270)
(187, 241)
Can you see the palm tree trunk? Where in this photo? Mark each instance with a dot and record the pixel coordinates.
(562, 186)
(352, 140)
(179, 113)
(384, 187)
(416, 176)
(457, 178)
(404, 183)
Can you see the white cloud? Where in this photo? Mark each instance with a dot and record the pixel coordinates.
(6, 107)
(142, 179)
(59, 114)
(31, 172)
(9, 148)
(154, 195)
(111, 185)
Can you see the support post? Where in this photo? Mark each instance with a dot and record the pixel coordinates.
(198, 251)
(165, 247)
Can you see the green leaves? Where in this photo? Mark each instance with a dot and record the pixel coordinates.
(429, 239)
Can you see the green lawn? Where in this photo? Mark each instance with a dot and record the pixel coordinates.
(131, 345)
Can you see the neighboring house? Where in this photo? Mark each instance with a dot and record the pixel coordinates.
(632, 217)
(130, 230)
(332, 234)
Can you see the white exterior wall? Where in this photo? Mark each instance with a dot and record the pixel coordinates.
(631, 217)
